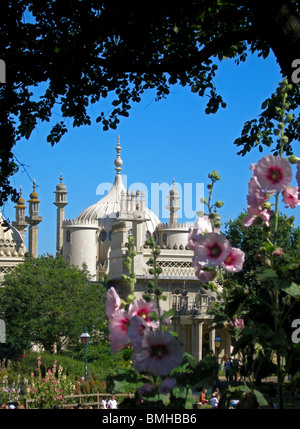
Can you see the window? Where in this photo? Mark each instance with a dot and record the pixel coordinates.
(68, 236)
(179, 299)
(103, 235)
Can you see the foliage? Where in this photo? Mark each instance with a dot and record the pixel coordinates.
(47, 302)
(81, 53)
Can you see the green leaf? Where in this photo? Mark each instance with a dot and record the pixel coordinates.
(293, 289)
(261, 399)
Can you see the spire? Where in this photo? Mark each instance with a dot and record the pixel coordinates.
(118, 160)
(173, 204)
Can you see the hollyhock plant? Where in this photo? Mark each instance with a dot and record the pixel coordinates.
(159, 353)
(273, 173)
(233, 263)
(211, 249)
(291, 197)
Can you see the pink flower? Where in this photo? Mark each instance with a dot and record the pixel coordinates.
(159, 353)
(136, 330)
(291, 197)
(254, 214)
(202, 225)
(113, 302)
(143, 309)
(211, 249)
(118, 327)
(233, 263)
(256, 196)
(203, 275)
(273, 173)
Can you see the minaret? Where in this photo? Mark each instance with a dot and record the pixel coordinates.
(173, 206)
(33, 220)
(60, 203)
(20, 224)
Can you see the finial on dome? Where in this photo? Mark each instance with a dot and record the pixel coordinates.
(61, 177)
(118, 160)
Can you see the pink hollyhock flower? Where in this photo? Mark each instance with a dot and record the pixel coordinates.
(202, 225)
(203, 276)
(113, 302)
(136, 330)
(291, 197)
(273, 173)
(256, 196)
(142, 308)
(211, 249)
(118, 327)
(234, 261)
(254, 214)
(266, 216)
(159, 353)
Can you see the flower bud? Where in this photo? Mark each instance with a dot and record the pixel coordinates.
(219, 204)
(289, 117)
(293, 159)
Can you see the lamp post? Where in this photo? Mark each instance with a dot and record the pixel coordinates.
(85, 339)
(218, 342)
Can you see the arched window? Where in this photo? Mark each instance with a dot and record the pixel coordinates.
(103, 235)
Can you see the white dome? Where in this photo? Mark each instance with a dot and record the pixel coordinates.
(106, 209)
(11, 242)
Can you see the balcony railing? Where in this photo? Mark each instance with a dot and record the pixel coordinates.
(194, 309)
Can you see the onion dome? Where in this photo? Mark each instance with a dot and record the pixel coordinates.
(107, 208)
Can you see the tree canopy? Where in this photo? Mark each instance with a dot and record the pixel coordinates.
(82, 51)
(44, 301)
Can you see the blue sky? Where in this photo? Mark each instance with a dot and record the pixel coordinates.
(159, 140)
